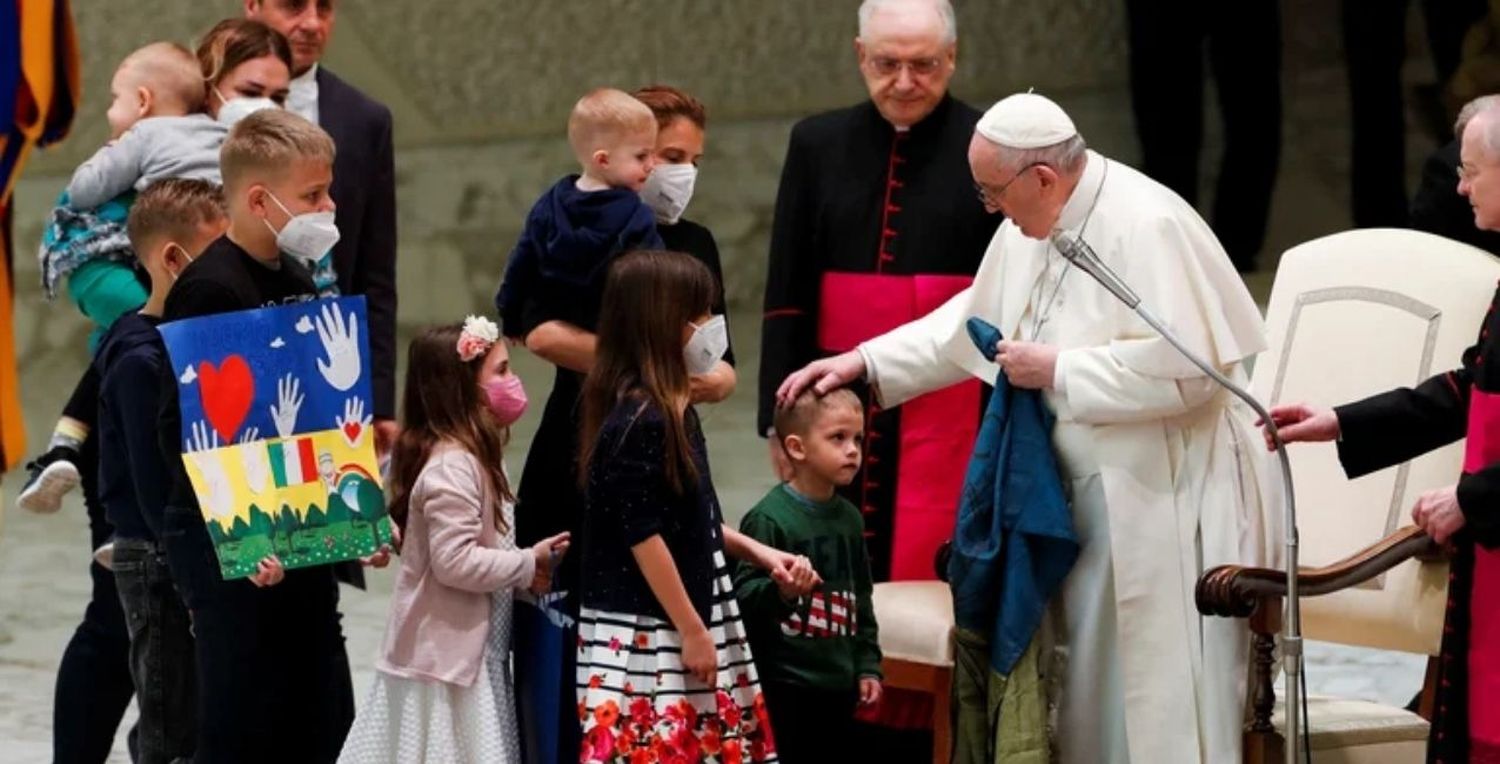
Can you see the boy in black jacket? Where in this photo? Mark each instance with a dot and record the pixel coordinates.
(171, 223)
(263, 653)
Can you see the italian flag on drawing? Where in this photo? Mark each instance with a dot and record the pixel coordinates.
(292, 462)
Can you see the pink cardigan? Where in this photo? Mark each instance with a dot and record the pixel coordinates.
(450, 565)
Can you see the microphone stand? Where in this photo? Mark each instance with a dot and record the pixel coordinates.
(1081, 255)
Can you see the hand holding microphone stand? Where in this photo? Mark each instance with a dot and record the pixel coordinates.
(1082, 256)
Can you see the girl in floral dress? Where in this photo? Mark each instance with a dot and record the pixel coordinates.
(665, 672)
(442, 688)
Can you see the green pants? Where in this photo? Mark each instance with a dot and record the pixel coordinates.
(997, 719)
(105, 290)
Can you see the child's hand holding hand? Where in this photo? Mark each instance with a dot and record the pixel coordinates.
(547, 552)
(793, 573)
(268, 572)
(699, 656)
(869, 691)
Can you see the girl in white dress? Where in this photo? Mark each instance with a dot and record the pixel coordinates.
(442, 690)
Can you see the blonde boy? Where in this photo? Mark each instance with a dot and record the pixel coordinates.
(262, 653)
(555, 276)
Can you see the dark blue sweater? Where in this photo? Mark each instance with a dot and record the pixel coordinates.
(132, 475)
(570, 238)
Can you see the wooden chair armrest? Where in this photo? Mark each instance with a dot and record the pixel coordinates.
(1235, 591)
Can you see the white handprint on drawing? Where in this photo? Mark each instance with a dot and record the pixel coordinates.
(200, 449)
(340, 338)
(257, 468)
(288, 402)
(354, 422)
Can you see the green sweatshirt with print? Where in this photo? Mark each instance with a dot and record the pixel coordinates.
(827, 639)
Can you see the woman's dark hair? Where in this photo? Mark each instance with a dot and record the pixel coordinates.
(442, 402)
(233, 42)
(669, 103)
(650, 298)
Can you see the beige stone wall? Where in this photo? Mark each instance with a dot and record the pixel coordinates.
(480, 90)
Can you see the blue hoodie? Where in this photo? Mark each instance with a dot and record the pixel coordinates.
(1014, 541)
(565, 249)
(132, 469)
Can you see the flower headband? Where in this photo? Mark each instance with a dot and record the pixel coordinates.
(478, 335)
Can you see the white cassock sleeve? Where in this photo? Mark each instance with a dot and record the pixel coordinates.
(1184, 278)
(912, 359)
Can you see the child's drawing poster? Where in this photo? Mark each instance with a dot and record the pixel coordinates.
(276, 432)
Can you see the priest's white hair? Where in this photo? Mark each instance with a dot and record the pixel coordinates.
(1489, 134)
(1482, 103)
(944, 10)
(1066, 156)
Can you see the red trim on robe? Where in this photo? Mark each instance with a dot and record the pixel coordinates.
(891, 184)
(937, 429)
(1481, 450)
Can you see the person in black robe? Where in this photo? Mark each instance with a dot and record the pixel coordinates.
(875, 226)
(1399, 425)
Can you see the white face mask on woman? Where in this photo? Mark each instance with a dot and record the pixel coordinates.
(707, 346)
(668, 190)
(233, 110)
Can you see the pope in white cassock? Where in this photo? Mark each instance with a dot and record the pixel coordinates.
(1166, 475)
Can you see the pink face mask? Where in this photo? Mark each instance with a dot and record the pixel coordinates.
(507, 398)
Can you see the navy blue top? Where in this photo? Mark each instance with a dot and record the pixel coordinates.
(132, 471)
(629, 500)
(565, 249)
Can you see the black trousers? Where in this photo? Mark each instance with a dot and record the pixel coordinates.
(274, 653)
(1374, 50)
(93, 679)
(161, 654)
(1169, 40)
(83, 404)
(811, 725)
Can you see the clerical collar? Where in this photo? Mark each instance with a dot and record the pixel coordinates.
(1076, 212)
(925, 125)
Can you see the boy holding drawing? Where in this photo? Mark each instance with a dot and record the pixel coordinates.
(263, 653)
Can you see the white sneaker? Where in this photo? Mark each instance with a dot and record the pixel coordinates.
(50, 480)
(105, 555)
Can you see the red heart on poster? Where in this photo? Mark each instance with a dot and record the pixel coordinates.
(352, 430)
(227, 393)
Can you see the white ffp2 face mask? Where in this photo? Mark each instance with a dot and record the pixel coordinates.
(306, 237)
(668, 190)
(707, 346)
(232, 110)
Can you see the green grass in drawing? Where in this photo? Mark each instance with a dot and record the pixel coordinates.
(321, 535)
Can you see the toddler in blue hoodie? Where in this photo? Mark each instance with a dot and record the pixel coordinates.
(584, 221)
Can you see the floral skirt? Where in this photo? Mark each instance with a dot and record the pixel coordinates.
(637, 703)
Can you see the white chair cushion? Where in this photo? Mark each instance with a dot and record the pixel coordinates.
(916, 621)
(1346, 731)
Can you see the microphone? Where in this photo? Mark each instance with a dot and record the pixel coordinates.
(1079, 253)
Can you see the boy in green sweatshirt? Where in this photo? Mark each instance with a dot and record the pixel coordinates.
(817, 655)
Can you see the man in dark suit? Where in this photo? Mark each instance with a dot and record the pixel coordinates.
(364, 183)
